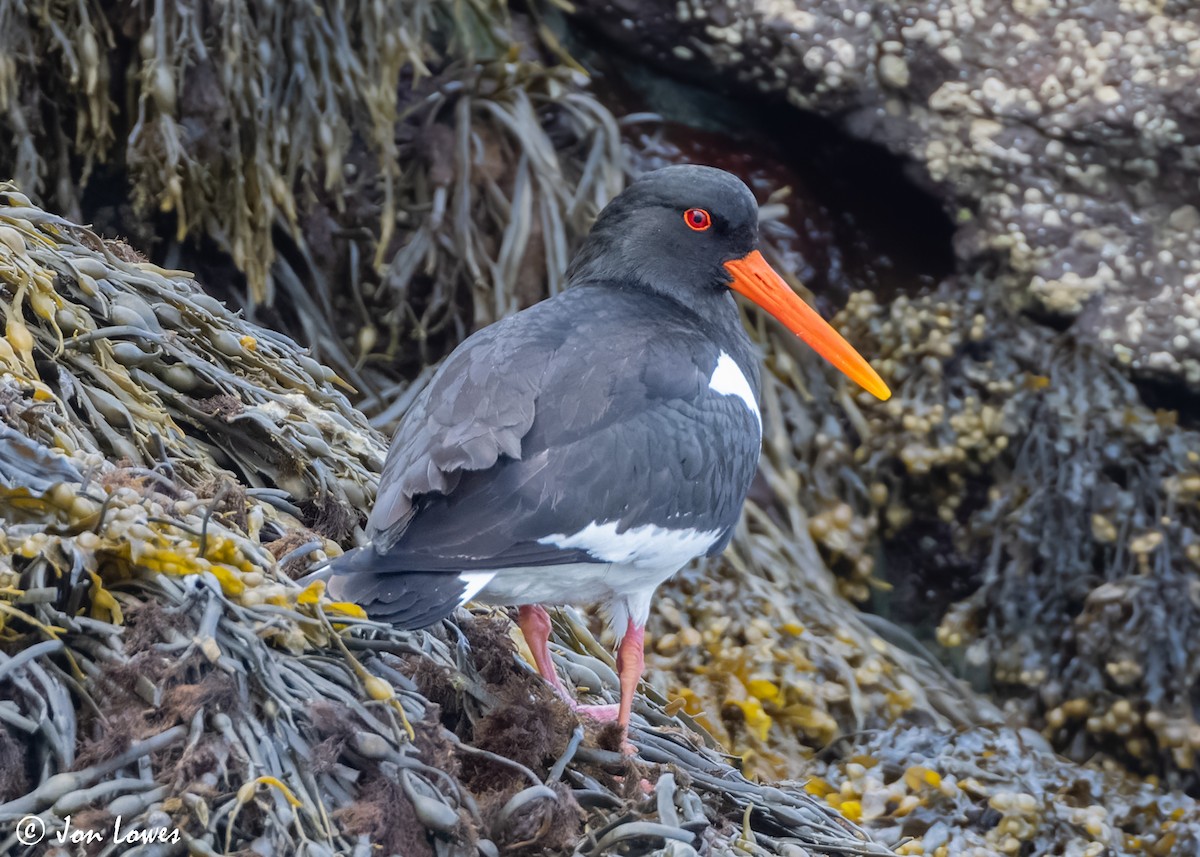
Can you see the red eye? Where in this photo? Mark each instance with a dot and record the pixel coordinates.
(697, 218)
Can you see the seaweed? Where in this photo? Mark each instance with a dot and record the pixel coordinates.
(385, 177)
(437, 184)
(158, 663)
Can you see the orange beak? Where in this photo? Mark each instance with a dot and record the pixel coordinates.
(757, 280)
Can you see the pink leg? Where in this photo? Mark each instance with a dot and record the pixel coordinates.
(631, 662)
(534, 622)
(535, 625)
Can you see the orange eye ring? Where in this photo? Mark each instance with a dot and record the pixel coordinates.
(697, 219)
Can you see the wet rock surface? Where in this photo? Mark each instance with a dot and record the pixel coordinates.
(1063, 139)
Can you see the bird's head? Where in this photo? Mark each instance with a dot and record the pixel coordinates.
(690, 232)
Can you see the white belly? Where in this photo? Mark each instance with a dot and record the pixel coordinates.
(631, 566)
(580, 583)
(623, 589)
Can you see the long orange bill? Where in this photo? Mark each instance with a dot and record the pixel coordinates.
(757, 280)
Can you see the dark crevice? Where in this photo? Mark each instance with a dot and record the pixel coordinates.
(1169, 396)
(856, 220)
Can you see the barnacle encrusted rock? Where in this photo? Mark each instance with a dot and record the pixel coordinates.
(928, 793)
(1032, 479)
(1063, 138)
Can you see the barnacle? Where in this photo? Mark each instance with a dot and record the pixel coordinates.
(888, 779)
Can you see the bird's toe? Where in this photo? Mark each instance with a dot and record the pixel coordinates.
(599, 713)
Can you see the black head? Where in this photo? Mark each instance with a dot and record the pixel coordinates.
(671, 231)
(690, 233)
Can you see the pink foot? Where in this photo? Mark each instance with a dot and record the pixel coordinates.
(599, 713)
(629, 668)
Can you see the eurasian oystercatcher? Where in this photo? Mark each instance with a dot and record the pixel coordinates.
(585, 449)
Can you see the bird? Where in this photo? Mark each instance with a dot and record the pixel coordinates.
(583, 450)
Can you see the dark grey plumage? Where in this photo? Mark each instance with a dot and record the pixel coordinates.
(558, 426)
(593, 406)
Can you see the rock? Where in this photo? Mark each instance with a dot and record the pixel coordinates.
(893, 71)
(1068, 138)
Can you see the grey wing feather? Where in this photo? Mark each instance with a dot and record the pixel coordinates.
(477, 407)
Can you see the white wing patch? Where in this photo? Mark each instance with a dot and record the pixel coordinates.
(474, 581)
(729, 380)
(648, 546)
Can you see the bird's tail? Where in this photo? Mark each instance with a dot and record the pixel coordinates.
(389, 592)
